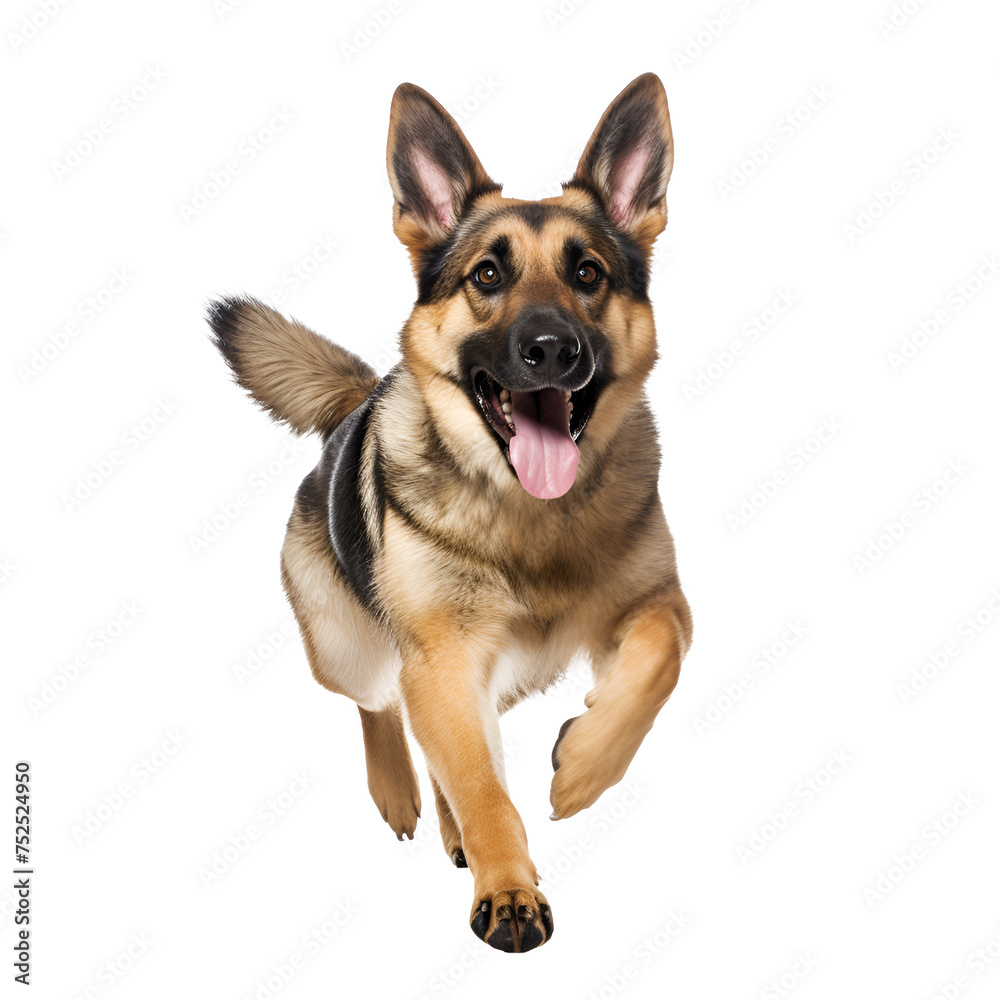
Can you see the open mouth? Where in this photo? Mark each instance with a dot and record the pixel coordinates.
(540, 430)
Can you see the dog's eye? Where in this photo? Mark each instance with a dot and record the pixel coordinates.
(487, 274)
(588, 273)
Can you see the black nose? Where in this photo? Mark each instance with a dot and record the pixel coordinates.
(550, 352)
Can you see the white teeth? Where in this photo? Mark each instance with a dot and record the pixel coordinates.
(506, 407)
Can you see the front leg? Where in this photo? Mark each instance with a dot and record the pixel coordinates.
(445, 685)
(634, 681)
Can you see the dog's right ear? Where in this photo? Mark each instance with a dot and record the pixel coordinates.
(433, 170)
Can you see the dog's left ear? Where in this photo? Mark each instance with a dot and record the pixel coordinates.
(629, 157)
(433, 170)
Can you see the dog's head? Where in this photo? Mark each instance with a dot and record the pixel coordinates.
(532, 331)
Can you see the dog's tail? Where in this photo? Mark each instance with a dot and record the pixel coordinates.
(298, 376)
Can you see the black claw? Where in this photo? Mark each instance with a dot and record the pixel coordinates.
(458, 858)
(481, 921)
(562, 733)
(546, 915)
(504, 912)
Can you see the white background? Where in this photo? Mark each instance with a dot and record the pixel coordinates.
(678, 836)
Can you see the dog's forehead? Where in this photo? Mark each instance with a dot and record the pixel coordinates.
(537, 237)
(544, 236)
(530, 227)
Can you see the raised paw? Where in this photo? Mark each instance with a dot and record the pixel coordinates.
(514, 920)
(399, 805)
(392, 781)
(591, 753)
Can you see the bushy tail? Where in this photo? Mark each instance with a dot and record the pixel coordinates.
(299, 376)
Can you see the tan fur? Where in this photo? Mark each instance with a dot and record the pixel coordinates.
(348, 653)
(391, 778)
(483, 593)
(301, 377)
(443, 667)
(451, 836)
(633, 683)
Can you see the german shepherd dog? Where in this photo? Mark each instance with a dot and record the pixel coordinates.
(489, 508)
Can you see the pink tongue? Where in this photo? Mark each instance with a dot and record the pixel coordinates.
(543, 453)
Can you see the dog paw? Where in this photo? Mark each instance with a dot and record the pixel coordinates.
(400, 808)
(588, 758)
(513, 920)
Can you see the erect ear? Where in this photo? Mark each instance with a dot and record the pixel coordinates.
(629, 157)
(433, 170)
